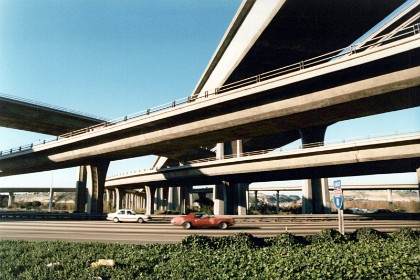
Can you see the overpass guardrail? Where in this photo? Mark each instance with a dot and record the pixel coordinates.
(388, 38)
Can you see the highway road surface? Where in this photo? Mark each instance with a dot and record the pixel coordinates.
(164, 232)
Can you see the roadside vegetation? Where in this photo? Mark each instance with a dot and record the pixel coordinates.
(363, 254)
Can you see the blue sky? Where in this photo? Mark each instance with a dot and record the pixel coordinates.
(113, 58)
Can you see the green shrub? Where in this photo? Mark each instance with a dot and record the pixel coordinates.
(285, 240)
(367, 235)
(239, 256)
(327, 236)
(405, 234)
(198, 241)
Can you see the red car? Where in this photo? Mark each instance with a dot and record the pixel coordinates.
(198, 220)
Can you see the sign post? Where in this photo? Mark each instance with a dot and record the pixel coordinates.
(338, 203)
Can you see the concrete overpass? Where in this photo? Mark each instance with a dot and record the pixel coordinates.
(24, 114)
(266, 35)
(405, 97)
(349, 159)
(258, 109)
(253, 110)
(380, 156)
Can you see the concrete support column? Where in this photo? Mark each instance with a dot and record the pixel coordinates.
(190, 198)
(326, 196)
(238, 148)
(256, 200)
(220, 151)
(164, 199)
(389, 196)
(307, 196)
(219, 199)
(312, 197)
(113, 204)
(11, 200)
(80, 199)
(277, 202)
(142, 202)
(241, 189)
(119, 195)
(219, 190)
(185, 201)
(156, 205)
(247, 201)
(137, 201)
(176, 198)
(418, 183)
(230, 197)
(108, 198)
(150, 200)
(240, 198)
(96, 174)
(170, 202)
(129, 200)
(126, 200)
(50, 205)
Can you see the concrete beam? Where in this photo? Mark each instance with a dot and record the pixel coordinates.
(24, 115)
(390, 155)
(284, 115)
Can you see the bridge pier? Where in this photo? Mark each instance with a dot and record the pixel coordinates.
(230, 198)
(389, 196)
(173, 200)
(315, 193)
(119, 194)
(11, 200)
(150, 200)
(50, 205)
(219, 199)
(127, 200)
(418, 183)
(159, 204)
(255, 200)
(186, 198)
(96, 175)
(80, 199)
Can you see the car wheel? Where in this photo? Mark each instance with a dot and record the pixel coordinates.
(223, 225)
(187, 225)
(116, 220)
(140, 220)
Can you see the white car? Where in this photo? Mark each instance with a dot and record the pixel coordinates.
(127, 215)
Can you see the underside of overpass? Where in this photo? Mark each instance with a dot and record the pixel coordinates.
(288, 32)
(303, 29)
(294, 31)
(33, 116)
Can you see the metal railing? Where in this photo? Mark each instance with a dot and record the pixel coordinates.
(324, 144)
(276, 73)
